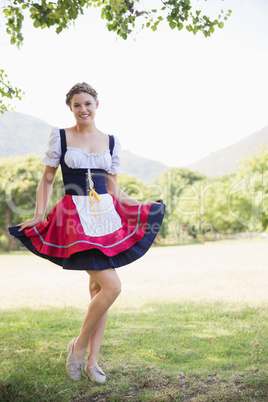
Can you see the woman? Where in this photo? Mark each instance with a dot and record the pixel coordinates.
(95, 227)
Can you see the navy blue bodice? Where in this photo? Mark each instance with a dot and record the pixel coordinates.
(79, 181)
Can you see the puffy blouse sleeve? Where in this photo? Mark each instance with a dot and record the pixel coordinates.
(115, 167)
(53, 153)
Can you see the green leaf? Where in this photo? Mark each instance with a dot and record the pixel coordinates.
(36, 24)
(221, 25)
(172, 24)
(109, 17)
(72, 12)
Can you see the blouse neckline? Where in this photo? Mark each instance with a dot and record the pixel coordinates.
(88, 153)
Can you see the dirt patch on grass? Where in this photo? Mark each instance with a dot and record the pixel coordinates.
(154, 385)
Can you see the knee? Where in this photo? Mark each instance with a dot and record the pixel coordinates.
(117, 289)
(114, 289)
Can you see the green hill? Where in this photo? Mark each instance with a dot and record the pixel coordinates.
(226, 160)
(144, 169)
(21, 134)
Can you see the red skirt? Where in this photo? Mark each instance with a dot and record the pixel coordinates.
(62, 240)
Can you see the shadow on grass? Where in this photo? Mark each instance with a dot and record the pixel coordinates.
(159, 352)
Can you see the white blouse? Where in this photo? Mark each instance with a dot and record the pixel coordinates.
(76, 158)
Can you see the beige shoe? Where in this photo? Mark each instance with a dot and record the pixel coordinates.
(73, 366)
(95, 373)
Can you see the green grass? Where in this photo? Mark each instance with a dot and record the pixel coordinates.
(157, 352)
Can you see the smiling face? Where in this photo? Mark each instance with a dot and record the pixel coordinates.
(84, 107)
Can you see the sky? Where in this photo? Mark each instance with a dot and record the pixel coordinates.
(168, 95)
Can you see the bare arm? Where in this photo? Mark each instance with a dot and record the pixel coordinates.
(114, 189)
(43, 194)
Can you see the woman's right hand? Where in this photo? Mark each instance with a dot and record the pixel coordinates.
(29, 224)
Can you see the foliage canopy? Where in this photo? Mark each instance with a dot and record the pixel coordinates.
(122, 16)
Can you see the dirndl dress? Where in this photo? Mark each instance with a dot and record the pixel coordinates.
(89, 229)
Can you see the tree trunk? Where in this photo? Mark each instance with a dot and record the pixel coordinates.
(12, 241)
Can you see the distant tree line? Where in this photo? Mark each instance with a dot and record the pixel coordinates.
(196, 206)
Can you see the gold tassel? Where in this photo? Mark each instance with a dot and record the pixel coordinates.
(93, 193)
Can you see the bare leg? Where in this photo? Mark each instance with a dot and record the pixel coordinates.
(95, 341)
(97, 334)
(110, 288)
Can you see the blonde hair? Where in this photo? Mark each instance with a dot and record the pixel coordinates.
(77, 89)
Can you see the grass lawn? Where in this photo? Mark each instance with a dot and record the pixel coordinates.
(190, 325)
